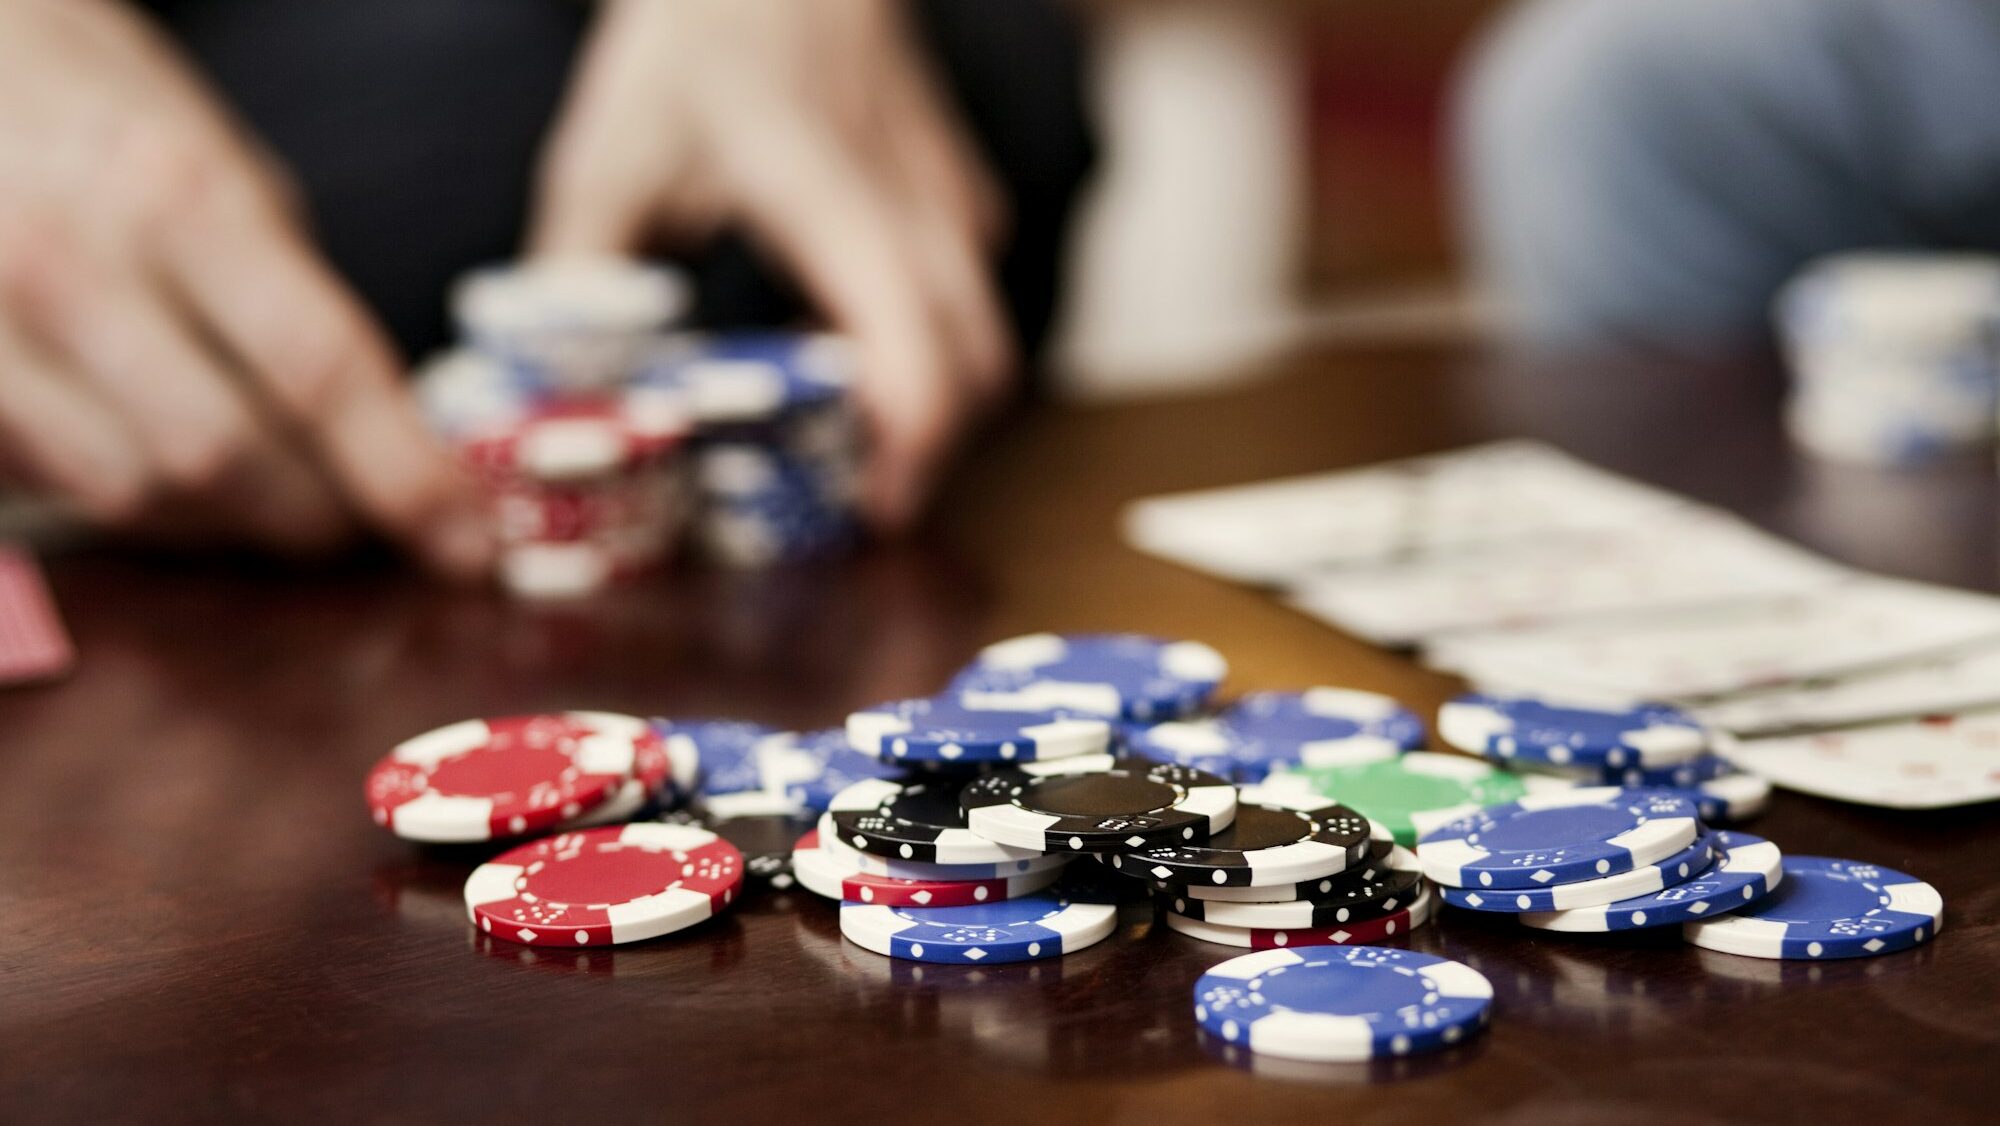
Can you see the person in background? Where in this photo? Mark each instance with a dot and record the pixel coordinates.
(1650, 174)
(225, 225)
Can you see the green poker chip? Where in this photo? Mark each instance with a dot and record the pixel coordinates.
(1411, 793)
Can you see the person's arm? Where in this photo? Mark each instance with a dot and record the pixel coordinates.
(815, 127)
(170, 340)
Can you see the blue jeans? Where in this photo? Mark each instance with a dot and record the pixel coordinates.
(1650, 171)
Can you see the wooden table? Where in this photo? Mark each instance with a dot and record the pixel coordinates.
(198, 920)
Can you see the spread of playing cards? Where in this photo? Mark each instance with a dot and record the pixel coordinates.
(1533, 574)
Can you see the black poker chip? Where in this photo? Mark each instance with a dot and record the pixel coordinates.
(1278, 838)
(1093, 803)
(919, 821)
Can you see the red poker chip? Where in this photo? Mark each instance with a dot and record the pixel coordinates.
(1364, 932)
(824, 874)
(601, 887)
(483, 779)
(652, 775)
(578, 439)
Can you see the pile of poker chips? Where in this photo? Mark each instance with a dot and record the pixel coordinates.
(603, 438)
(1007, 818)
(1895, 357)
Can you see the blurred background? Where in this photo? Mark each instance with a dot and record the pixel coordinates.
(1271, 172)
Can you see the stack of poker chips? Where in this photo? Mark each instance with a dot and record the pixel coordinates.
(748, 440)
(777, 447)
(1895, 358)
(1593, 744)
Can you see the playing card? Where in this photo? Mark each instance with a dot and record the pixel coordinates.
(1504, 492)
(1911, 764)
(1950, 683)
(1687, 559)
(33, 643)
(1855, 624)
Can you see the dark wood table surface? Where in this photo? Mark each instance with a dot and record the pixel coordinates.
(198, 921)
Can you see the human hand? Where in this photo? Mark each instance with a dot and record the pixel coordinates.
(812, 124)
(172, 347)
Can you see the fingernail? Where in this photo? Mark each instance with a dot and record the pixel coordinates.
(461, 545)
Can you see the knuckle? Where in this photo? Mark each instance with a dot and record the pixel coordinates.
(313, 360)
(198, 459)
(162, 173)
(38, 263)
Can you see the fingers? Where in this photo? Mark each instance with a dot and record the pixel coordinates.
(842, 241)
(63, 439)
(316, 361)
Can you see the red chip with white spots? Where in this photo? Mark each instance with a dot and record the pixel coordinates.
(602, 887)
(825, 874)
(494, 778)
(579, 439)
(652, 773)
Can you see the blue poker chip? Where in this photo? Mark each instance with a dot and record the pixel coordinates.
(761, 506)
(1342, 1002)
(723, 750)
(810, 769)
(749, 378)
(1730, 798)
(1825, 909)
(1560, 837)
(1316, 727)
(1014, 930)
(1125, 675)
(1202, 744)
(1679, 776)
(1745, 870)
(1581, 894)
(940, 729)
(1518, 728)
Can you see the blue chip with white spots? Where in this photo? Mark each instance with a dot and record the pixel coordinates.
(1026, 929)
(810, 769)
(1826, 909)
(1582, 894)
(1745, 871)
(1317, 727)
(738, 378)
(1679, 776)
(722, 750)
(942, 730)
(1342, 1003)
(1121, 675)
(1560, 837)
(1509, 728)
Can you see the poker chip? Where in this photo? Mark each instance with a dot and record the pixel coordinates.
(1373, 891)
(1509, 728)
(569, 324)
(578, 439)
(1825, 908)
(1732, 797)
(1335, 1003)
(1412, 792)
(1125, 675)
(1562, 837)
(1317, 727)
(944, 730)
(1014, 930)
(1093, 803)
(607, 886)
(736, 378)
(1201, 744)
(1383, 851)
(1745, 869)
(831, 843)
(1679, 776)
(1643, 880)
(483, 779)
(914, 821)
(721, 752)
(1361, 932)
(1276, 838)
(810, 768)
(652, 780)
(823, 874)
